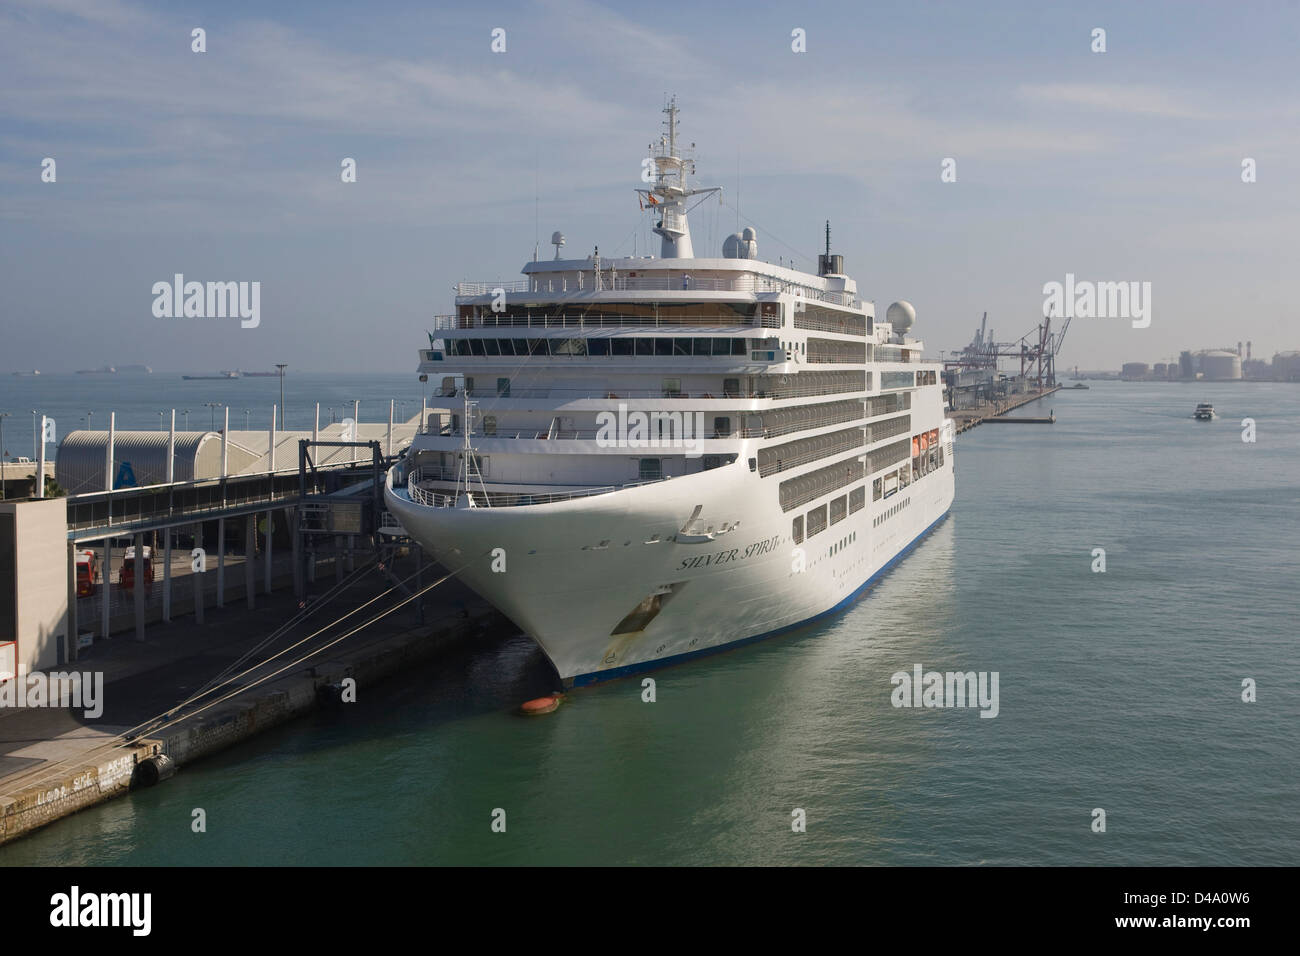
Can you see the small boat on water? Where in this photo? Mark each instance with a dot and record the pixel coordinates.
(1204, 412)
(1078, 385)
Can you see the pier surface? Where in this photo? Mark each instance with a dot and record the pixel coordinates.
(56, 761)
(968, 418)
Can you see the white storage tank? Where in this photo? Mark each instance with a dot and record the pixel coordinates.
(1220, 365)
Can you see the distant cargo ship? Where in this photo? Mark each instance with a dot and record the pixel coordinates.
(106, 370)
(206, 378)
(260, 374)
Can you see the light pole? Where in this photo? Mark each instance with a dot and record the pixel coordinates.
(212, 415)
(90, 420)
(160, 421)
(281, 366)
(35, 455)
(246, 419)
(187, 419)
(3, 416)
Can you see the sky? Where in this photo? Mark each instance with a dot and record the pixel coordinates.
(225, 165)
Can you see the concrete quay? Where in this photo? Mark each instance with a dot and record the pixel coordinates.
(56, 761)
(967, 418)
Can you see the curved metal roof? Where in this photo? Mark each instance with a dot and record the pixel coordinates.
(139, 458)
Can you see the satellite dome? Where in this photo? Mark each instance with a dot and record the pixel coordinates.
(741, 245)
(900, 315)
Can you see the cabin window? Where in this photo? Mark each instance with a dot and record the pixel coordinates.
(491, 347)
(816, 521)
(877, 487)
(721, 426)
(703, 346)
(597, 346)
(672, 388)
(651, 469)
(521, 346)
(839, 508)
(796, 529)
(731, 388)
(489, 424)
(503, 387)
(645, 346)
(621, 346)
(476, 347)
(663, 346)
(681, 346)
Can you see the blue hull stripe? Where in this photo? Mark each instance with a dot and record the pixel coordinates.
(583, 680)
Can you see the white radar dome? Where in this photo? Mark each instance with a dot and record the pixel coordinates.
(900, 315)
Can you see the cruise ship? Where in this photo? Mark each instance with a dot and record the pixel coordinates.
(643, 460)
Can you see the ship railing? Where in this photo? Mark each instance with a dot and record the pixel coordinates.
(575, 394)
(608, 321)
(507, 499)
(611, 281)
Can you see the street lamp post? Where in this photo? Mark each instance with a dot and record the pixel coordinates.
(246, 419)
(281, 366)
(3, 416)
(212, 415)
(187, 419)
(35, 456)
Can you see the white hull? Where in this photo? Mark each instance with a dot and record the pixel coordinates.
(567, 593)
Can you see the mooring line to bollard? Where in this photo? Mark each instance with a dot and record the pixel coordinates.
(128, 736)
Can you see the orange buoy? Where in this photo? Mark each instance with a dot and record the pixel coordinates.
(541, 705)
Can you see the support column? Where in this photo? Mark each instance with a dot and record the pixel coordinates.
(138, 584)
(198, 578)
(270, 553)
(221, 562)
(106, 588)
(73, 631)
(298, 585)
(167, 574)
(250, 557)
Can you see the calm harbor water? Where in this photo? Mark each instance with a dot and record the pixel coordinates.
(1119, 690)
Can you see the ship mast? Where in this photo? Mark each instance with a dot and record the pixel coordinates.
(469, 469)
(667, 197)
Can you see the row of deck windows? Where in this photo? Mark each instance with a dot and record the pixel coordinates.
(816, 520)
(663, 347)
